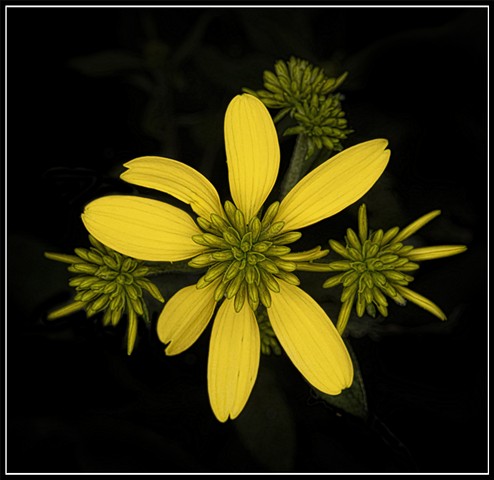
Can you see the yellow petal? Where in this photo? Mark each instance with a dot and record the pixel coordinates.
(142, 228)
(421, 301)
(310, 339)
(177, 179)
(334, 185)
(131, 331)
(437, 251)
(185, 316)
(416, 225)
(233, 360)
(252, 153)
(66, 310)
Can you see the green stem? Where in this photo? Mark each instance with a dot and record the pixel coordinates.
(171, 267)
(297, 166)
(313, 267)
(62, 257)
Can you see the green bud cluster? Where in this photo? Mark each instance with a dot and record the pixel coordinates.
(245, 259)
(293, 83)
(107, 281)
(377, 265)
(322, 120)
(305, 93)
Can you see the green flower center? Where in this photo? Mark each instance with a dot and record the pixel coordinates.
(107, 281)
(110, 281)
(372, 269)
(245, 259)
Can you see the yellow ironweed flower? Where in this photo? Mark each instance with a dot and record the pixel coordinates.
(246, 255)
(107, 281)
(378, 264)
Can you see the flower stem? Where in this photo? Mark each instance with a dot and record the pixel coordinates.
(314, 267)
(170, 267)
(297, 165)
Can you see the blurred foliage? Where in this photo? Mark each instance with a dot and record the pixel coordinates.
(180, 82)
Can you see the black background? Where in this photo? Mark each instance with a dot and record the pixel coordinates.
(76, 113)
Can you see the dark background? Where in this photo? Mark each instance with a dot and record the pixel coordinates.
(90, 88)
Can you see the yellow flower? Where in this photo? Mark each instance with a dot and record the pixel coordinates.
(247, 258)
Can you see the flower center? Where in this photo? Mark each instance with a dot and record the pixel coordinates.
(372, 269)
(245, 259)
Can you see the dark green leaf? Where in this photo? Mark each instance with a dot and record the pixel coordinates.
(353, 400)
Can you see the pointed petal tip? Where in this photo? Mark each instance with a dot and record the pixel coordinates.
(373, 144)
(170, 351)
(224, 416)
(246, 97)
(174, 178)
(378, 145)
(221, 418)
(129, 163)
(341, 383)
(379, 142)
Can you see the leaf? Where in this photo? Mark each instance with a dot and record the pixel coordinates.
(266, 427)
(353, 400)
